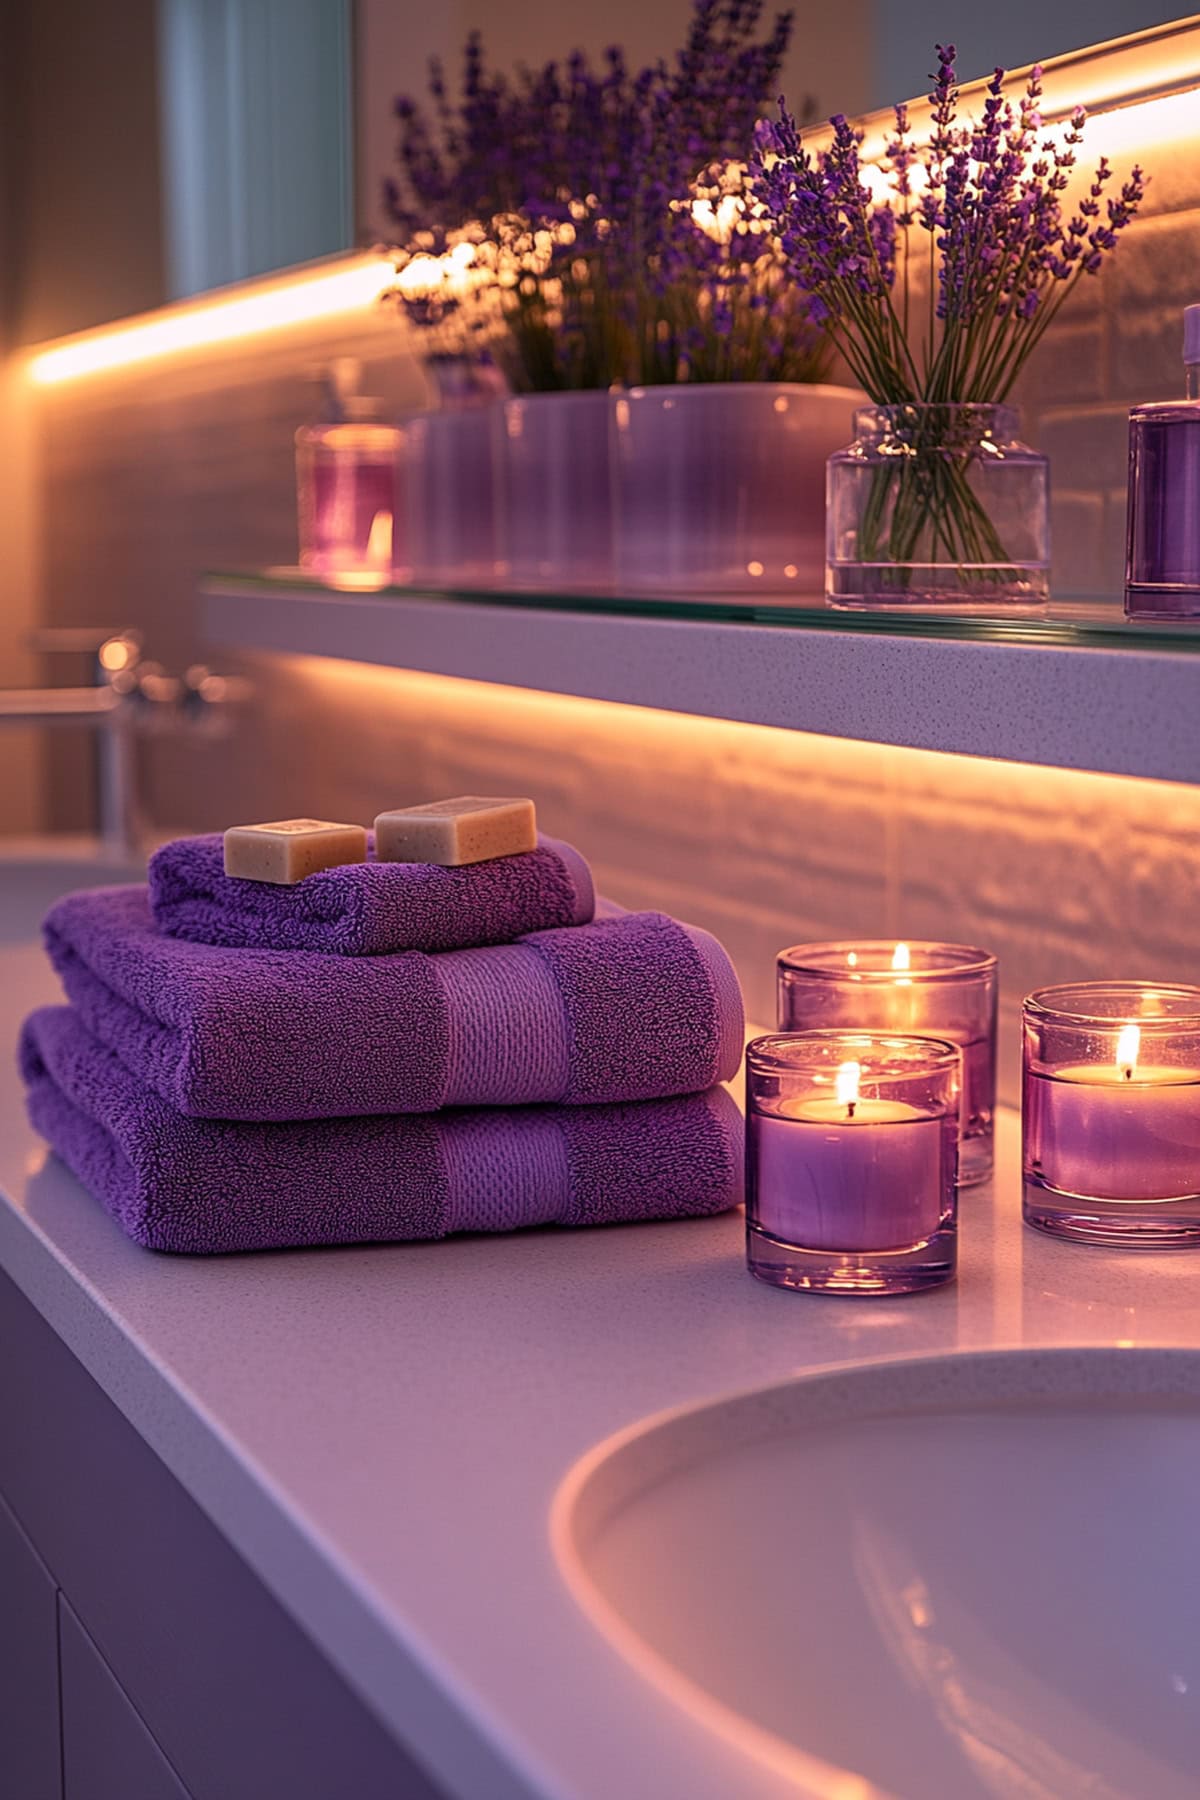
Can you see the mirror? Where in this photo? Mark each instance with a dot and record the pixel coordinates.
(256, 124)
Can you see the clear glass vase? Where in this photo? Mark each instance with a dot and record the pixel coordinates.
(938, 506)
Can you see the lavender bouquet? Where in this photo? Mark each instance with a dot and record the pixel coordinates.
(937, 275)
(585, 226)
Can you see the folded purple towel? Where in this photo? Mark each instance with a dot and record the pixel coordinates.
(369, 909)
(205, 1185)
(635, 1007)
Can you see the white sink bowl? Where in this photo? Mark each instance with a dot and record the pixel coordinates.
(935, 1579)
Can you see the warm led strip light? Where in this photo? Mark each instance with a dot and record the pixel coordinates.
(299, 299)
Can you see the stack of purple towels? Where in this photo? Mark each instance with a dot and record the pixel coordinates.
(383, 1051)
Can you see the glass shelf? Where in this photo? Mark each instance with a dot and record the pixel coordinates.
(1063, 690)
(1097, 624)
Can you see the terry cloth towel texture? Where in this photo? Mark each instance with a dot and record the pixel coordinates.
(369, 909)
(206, 1186)
(635, 1007)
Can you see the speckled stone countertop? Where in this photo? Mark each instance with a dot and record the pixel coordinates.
(381, 1432)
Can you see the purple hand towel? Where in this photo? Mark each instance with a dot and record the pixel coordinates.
(635, 1007)
(369, 909)
(205, 1186)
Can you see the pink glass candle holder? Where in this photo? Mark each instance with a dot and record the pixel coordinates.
(852, 1161)
(346, 495)
(1111, 1113)
(945, 990)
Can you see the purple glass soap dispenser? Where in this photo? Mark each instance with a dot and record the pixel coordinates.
(1162, 568)
(346, 477)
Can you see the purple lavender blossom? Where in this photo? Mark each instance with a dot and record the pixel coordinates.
(988, 196)
(609, 162)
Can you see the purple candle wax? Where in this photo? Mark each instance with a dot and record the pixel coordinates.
(1114, 1133)
(833, 1175)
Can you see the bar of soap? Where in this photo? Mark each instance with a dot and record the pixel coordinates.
(289, 849)
(469, 829)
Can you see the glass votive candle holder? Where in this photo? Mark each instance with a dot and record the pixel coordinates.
(1110, 1115)
(852, 1161)
(945, 990)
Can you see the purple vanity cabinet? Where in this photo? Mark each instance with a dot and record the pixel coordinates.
(182, 1677)
(29, 1754)
(107, 1751)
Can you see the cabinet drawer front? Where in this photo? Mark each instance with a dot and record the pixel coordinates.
(108, 1754)
(29, 1747)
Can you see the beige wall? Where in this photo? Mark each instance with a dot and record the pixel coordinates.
(80, 121)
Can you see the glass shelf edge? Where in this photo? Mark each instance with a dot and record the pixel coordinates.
(1068, 624)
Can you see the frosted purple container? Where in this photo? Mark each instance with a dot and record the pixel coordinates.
(448, 494)
(720, 486)
(554, 481)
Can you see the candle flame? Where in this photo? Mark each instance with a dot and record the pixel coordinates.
(901, 957)
(1129, 1042)
(846, 1084)
(379, 543)
(852, 958)
(375, 569)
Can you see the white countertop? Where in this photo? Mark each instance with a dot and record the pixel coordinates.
(380, 1432)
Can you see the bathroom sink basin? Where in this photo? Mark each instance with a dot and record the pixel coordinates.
(933, 1579)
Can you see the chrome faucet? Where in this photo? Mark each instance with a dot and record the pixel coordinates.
(127, 694)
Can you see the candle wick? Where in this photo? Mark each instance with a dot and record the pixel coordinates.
(850, 1105)
(1129, 1071)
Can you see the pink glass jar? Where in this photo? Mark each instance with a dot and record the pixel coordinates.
(346, 498)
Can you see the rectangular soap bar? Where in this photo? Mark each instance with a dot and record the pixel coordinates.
(469, 829)
(289, 849)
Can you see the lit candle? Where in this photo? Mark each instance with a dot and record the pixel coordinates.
(848, 1173)
(347, 476)
(947, 990)
(839, 1177)
(1112, 1109)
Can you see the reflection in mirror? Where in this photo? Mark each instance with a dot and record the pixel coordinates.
(254, 104)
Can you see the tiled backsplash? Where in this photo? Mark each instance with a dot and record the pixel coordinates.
(1118, 342)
